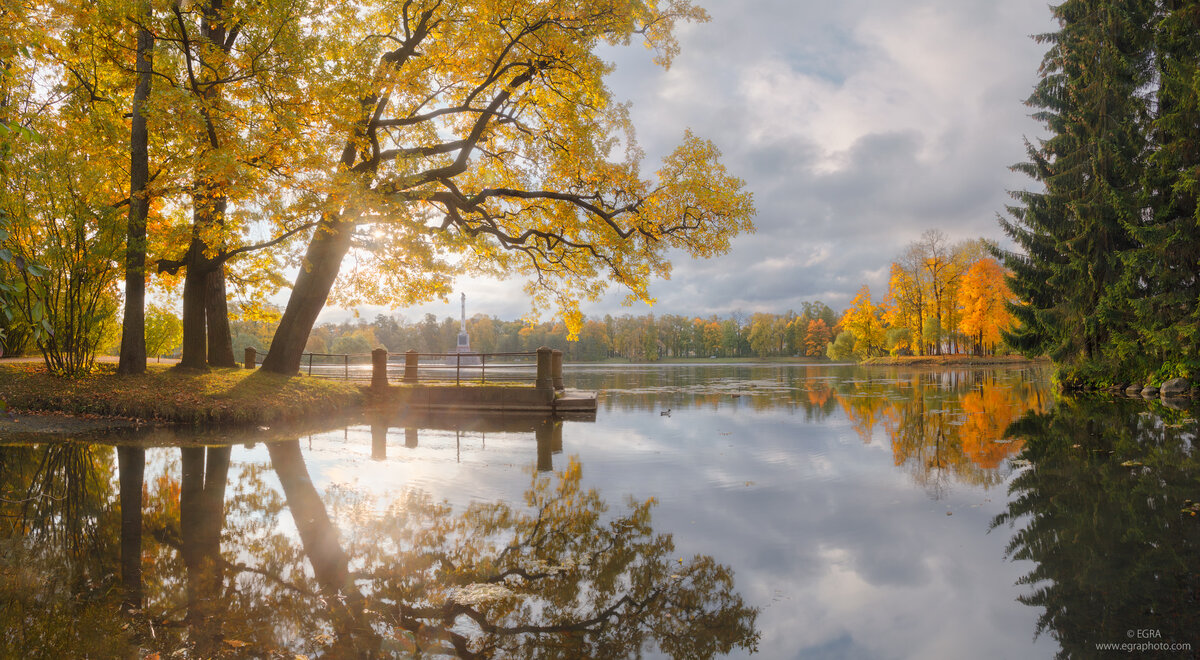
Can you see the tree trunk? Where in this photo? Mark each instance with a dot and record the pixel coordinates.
(133, 326)
(330, 243)
(195, 292)
(131, 463)
(208, 211)
(216, 312)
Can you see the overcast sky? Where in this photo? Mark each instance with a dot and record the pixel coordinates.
(857, 124)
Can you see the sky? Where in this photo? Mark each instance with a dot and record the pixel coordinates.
(857, 124)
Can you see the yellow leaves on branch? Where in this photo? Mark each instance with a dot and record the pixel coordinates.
(548, 187)
(699, 205)
(458, 137)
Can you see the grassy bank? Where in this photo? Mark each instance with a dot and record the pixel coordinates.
(220, 396)
(948, 360)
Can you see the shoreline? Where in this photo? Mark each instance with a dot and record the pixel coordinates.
(101, 400)
(43, 423)
(34, 402)
(951, 360)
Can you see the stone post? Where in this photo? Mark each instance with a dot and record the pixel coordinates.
(379, 442)
(556, 437)
(251, 357)
(379, 368)
(545, 376)
(410, 366)
(545, 450)
(556, 369)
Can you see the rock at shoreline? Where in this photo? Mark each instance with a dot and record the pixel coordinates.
(1134, 389)
(1149, 392)
(1175, 387)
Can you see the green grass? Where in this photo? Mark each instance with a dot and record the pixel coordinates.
(219, 396)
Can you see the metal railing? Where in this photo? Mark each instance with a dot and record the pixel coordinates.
(458, 368)
(344, 366)
(328, 363)
(412, 367)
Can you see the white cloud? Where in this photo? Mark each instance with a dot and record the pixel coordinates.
(856, 124)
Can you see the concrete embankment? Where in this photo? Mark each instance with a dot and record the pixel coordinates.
(499, 398)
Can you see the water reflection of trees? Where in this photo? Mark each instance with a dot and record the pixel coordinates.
(1101, 513)
(57, 546)
(943, 426)
(63, 502)
(222, 571)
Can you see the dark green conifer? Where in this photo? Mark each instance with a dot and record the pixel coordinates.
(1093, 98)
(1164, 272)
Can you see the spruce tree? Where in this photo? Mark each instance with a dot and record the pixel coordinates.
(1164, 271)
(1092, 98)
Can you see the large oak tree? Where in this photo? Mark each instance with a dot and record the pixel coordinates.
(486, 141)
(416, 139)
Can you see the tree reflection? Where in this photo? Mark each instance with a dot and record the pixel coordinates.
(201, 517)
(330, 563)
(132, 466)
(57, 552)
(62, 502)
(223, 573)
(1101, 513)
(943, 426)
(558, 578)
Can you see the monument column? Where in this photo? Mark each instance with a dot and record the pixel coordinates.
(464, 341)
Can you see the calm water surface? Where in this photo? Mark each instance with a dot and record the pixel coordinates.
(796, 511)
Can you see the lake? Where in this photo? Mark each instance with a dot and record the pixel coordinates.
(795, 511)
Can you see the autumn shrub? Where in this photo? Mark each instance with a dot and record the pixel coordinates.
(63, 241)
(898, 341)
(842, 347)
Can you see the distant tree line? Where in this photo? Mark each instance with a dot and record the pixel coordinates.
(637, 338)
(942, 298)
(645, 337)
